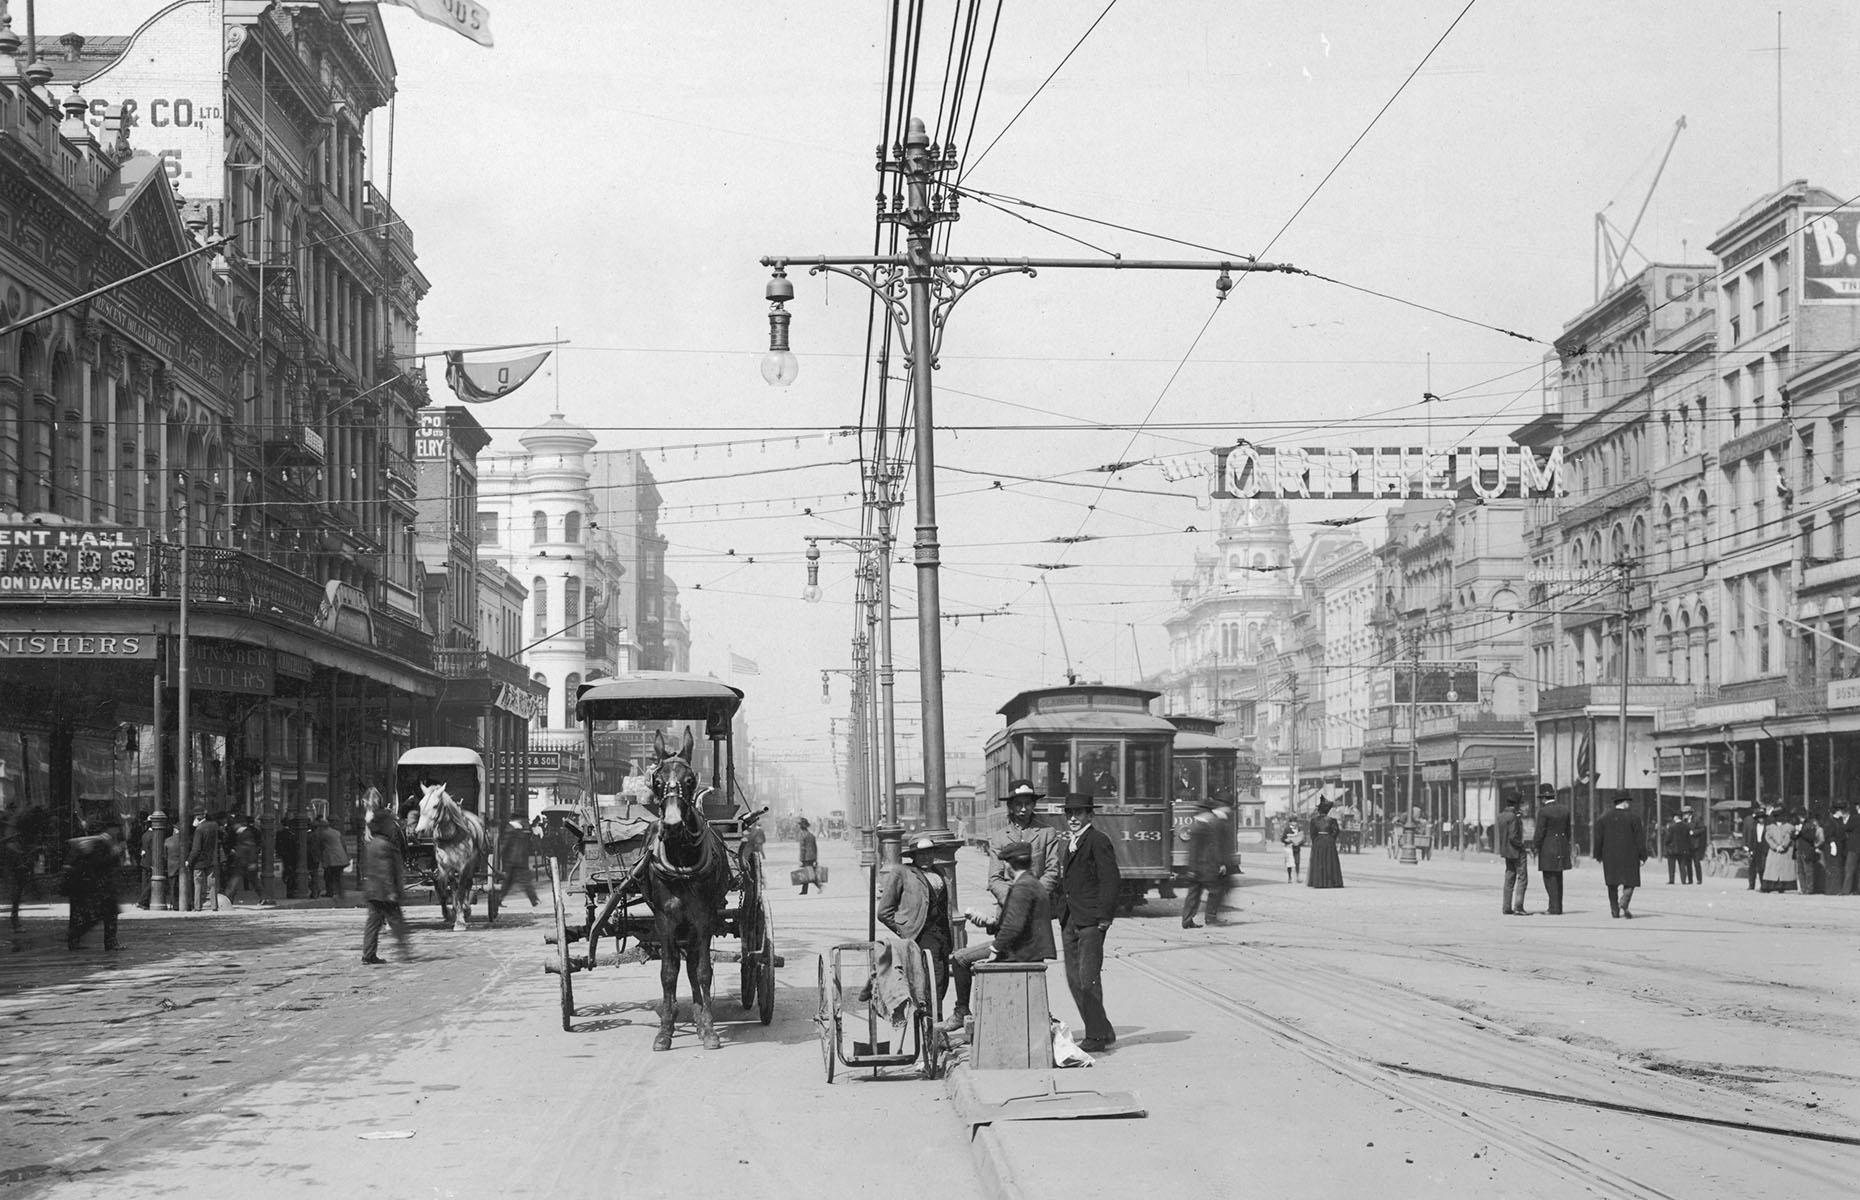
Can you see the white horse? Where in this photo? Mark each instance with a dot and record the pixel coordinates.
(460, 850)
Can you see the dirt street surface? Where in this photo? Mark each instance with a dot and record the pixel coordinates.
(252, 1054)
(1396, 1038)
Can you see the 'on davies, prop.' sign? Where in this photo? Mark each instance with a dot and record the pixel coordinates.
(1245, 471)
(73, 560)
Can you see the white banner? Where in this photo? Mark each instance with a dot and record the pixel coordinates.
(461, 16)
(168, 82)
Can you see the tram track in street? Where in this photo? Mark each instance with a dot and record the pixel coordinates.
(1438, 1036)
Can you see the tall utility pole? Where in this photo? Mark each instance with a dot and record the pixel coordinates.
(184, 766)
(1408, 854)
(916, 290)
(1624, 583)
(1294, 699)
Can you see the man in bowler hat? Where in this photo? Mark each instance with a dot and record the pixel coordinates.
(1551, 841)
(1508, 831)
(1620, 846)
(1088, 887)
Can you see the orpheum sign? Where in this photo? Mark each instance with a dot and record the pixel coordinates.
(73, 560)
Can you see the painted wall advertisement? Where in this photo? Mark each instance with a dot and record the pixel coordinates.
(1831, 256)
(168, 83)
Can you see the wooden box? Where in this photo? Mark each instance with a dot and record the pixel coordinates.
(1012, 1022)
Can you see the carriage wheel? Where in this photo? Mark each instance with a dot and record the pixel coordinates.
(765, 980)
(828, 1020)
(563, 965)
(747, 970)
(929, 1044)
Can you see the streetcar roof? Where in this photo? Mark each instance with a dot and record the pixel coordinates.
(1088, 722)
(1203, 742)
(658, 696)
(1083, 699)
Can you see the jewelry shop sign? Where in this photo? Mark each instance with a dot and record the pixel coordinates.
(73, 560)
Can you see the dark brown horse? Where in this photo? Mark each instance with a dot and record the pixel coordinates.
(687, 881)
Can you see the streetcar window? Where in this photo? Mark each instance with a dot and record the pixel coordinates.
(1221, 780)
(1188, 780)
(1048, 765)
(1098, 768)
(1143, 771)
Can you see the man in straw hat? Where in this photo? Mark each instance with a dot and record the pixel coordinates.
(1025, 825)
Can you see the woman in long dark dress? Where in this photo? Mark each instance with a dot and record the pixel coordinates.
(1326, 869)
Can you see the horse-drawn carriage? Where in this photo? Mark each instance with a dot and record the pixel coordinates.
(445, 854)
(676, 870)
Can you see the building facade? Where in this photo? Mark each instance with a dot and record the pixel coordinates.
(245, 403)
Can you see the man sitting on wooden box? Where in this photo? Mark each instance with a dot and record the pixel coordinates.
(1023, 932)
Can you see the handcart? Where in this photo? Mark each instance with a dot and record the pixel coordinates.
(877, 1009)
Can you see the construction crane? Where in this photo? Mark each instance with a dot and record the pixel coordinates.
(1610, 257)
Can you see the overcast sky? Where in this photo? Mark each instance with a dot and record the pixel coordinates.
(615, 170)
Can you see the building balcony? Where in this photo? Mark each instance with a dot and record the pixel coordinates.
(1830, 574)
(381, 215)
(294, 445)
(402, 480)
(220, 580)
(1635, 491)
(479, 664)
(1642, 693)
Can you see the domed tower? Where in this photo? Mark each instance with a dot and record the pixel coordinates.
(1255, 546)
(550, 539)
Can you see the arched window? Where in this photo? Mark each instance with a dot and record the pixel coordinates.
(571, 600)
(539, 526)
(571, 527)
(539, 605)
(1686, 649)
(570, 687)
(541, 719)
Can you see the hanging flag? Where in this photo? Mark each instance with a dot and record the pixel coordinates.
(743, 666)
(478, 382)
(460, 16)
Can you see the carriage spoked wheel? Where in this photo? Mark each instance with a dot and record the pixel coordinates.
(564, 967)
(765, 964)
(747, 971)
(827, 1021)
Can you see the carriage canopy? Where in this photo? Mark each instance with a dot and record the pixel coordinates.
(459, 768)
(660, 696)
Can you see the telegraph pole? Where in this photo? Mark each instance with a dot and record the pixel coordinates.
(1408, 853)
(1624, 583)
(916, 291)
(1294, 700)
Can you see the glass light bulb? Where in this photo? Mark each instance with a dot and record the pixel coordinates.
(779, 367)
(811, 593)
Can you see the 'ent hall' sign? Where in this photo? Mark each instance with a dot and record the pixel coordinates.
(73, 560)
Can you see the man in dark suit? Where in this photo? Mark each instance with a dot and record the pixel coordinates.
(1508, 830)
(1620, 846)
(1088, 886)
(1551, 842)
(1678, 850)
(1758, 849)
(1022, 933)
(1846, 828)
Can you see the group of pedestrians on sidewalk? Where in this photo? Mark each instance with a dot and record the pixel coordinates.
(1793, 850)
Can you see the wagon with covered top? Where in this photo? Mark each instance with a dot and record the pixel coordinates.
(666, 868)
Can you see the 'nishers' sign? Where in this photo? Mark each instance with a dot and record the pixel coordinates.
(73, 560)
